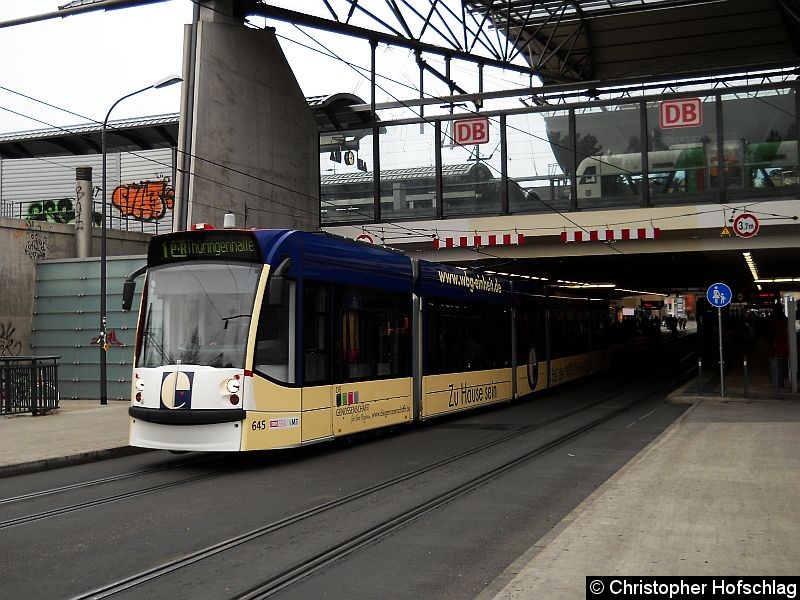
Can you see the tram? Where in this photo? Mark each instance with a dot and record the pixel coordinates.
(266, 339)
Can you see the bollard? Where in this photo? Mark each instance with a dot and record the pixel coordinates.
(699, 376)
(746, 381)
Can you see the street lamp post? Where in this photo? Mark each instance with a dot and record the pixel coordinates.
(104, 238)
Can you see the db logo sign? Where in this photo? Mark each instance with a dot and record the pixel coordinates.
(687, 112)
(471, 131)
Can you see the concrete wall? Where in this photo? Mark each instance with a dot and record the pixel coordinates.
(22, 245)
(255, 141)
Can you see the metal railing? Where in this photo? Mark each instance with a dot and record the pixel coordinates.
(28, 384)
(150, 218)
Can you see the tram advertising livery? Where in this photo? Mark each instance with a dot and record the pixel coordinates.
(263, 339)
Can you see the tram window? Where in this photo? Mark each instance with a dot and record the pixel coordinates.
(569, 332)
(530, 333)
(316, 324)
(198, 314)
(616, 185)
(466, 337)
(373, 339)
(275, 340)
(589, 175)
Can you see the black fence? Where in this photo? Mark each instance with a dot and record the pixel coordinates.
(28, 384)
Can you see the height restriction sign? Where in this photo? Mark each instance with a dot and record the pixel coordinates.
(745, 225)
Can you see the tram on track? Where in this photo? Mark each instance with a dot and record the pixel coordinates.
(266, 339)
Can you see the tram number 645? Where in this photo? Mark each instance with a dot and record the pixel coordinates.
(259, 425)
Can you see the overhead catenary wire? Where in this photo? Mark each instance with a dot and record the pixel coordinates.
(417, 231)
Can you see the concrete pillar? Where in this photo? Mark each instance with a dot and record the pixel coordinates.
(83, 212)
(399, 197)
(255, 144)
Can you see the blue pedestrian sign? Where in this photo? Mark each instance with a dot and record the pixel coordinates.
(719, 295)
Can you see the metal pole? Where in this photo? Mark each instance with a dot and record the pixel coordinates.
(699, 376)
(746, 380)
(721, 361)
(104, 238)
(103, 259)
(791, 313)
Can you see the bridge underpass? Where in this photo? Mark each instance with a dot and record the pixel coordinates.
(681, 260)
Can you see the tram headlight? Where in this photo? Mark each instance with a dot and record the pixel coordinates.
(233, 385)
(139, 383)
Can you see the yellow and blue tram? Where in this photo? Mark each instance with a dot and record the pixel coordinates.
(265, 339)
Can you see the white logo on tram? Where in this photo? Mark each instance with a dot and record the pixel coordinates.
(284, 423)
(176, 390)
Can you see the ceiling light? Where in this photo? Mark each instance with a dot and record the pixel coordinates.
(751, 264)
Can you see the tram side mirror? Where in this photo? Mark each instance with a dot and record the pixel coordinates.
(276, 290)
(277, 281)
(128, 289)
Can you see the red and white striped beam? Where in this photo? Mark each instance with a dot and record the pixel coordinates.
(479, 241)
(610, 235)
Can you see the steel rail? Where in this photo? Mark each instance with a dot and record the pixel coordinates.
(294, 574)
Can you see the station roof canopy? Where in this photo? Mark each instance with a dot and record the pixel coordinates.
(607, 40)
(333, 114)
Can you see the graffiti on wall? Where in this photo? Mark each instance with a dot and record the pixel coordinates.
(145, 201)
(36, 242)
(111, 340)
(9, 345)
(58, 210)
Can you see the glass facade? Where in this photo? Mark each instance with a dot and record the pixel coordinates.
(699, 148)
(472, 180)
(608, 154)
(346, 192)
(683, 161)
(760, 141)
(539, 161)
(408, 171)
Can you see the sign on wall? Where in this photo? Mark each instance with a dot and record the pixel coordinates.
(469, 132)
(686, 112)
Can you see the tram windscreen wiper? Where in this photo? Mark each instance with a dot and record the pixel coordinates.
(226, 319)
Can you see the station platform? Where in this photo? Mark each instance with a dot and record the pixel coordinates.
(714, 494)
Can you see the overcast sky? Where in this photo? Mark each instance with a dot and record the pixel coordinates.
(84, 63)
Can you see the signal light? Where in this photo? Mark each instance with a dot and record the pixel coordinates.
(234, 399)
(233, 385)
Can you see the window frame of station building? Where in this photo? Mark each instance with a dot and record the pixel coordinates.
(723, 158)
